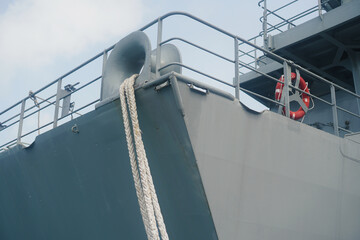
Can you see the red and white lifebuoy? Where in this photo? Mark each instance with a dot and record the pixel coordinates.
(305, 98)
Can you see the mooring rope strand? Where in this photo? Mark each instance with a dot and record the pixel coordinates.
(141, 164)
(145, 189)
(133, 162)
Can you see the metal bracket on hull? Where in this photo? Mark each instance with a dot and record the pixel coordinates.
(198, 89)
(161, 86)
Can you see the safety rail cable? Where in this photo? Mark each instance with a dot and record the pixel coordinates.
(290, 21)
(238, 40)
(272, 27)
(300, 90)
(49, 123)
(63, 76)
(283, 21)
(37, 104)
(49, 104)
(13, 141)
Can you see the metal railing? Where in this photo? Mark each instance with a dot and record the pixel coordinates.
(250, 61)
(53, 100)
(288, 66)
(273, 21)
(281, 23)
(235, 85)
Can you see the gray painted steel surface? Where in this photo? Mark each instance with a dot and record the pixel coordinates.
(70, 185)
(269, 177)
(265, 176)
(332, 19)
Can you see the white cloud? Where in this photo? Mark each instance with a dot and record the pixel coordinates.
(35, 32)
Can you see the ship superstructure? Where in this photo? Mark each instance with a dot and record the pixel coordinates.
(327, 46)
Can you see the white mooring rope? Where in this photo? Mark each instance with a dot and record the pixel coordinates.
(145, 190)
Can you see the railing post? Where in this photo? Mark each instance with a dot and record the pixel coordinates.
(355, 60)
(158, 48)
(265, 26)
(102, 73)
(21, 121)
(236, 78)
(255, 55)
(334, 110)
(320, 9)
(104, 61)
(287, 79)
(58, 93)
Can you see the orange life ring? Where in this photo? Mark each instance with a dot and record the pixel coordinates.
(305, 98)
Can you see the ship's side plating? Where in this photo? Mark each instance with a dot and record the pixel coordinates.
(266, 177)
(76, 183)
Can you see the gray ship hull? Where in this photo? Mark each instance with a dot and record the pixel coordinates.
(269, 177)
(220, 171)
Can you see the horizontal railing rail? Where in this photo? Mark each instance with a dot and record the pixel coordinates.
(280, 24)
(283, 21)
(50, 103)
(12, 142)
(269, 54)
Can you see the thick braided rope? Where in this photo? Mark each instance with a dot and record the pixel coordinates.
(133, 163)
(151, 209)
(142, 157)
(141, 164)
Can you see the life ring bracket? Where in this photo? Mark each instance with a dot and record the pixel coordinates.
(301, 98)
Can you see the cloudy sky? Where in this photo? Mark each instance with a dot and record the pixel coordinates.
(39, 35)
(42, 39)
